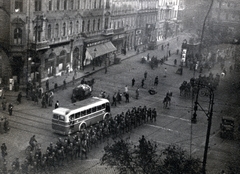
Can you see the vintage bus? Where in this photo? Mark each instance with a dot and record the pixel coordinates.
(79, 115)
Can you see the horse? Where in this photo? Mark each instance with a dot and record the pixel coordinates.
(166, 102)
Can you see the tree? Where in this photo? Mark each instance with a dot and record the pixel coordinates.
(145, 158)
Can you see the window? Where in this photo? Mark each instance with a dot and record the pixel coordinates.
(93, 25)
(94, 109)
(18, 6)
(65, 5)
(37, 30)
(99, 107)
(64, 29)
(83, 113)
(100, 3)
(70, 29)
(38, 5)
(89, 111)
(49, 31)
(84, 4)
(78, 4)
(61, 118)
(77, 27)
(77, 115)
(55, 116)
(103, 106)
(83, 23)
(58, 4)
(18, 36)
(88, 26)
(56, 30)
(95, 4)
(50, 5)
(71, 4)
(71, 117)
(98, 24)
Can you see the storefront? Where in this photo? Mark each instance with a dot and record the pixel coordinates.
(118, 42)
(97, 52)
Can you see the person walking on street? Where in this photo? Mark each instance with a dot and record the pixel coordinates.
(73, 79)
(4, 150)
(133, 82)
(56, 104)
(143, 83)
(47, 85)
(127, 97)
(19, 97)
(137, 93)
(64, 84)
(4, 104)
(126, 89)
(119, 97)
(165, 72)
(145, 75)
(114, 99)
(10, 108)
(6, 125)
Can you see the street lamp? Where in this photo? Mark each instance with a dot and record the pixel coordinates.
(208, 92)
(95, 51)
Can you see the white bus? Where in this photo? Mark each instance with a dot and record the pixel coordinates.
(79, 115)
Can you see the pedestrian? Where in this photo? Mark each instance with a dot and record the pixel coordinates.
(133, 82)
(10, 108)
(47, 85)
(145, 75)
(165, 72)
(148, 56)
(73, 79)
(4, 150)
(154, 114)
(142, 83)
(64, 84)
(119, 97)
(126, 89)
(137, 93)
(175, 62)
(6, 125)
(156, 81)
(114, 99)
(19, 97)
(56, 104)
(127, 97)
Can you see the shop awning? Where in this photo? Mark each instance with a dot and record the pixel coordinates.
(101, 49)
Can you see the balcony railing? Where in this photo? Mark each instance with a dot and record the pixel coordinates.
(40, 45)
(108, 31)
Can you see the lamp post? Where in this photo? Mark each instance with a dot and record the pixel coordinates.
(95, 51)
(208, 91)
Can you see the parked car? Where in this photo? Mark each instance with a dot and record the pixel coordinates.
(227, 127)
(81, 92)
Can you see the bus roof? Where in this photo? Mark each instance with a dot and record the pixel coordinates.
(84, 104)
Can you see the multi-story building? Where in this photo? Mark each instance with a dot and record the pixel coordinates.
(122, 22)
(225, 19)
(168, 23)
(146, 22)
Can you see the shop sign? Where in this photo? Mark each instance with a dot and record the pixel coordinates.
(120, 36)
(97, 43)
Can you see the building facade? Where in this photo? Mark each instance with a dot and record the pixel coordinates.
(225, 19)
(46, 38)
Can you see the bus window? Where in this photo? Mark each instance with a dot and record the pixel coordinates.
(103, 106)
(71, 117)
(83, 113)
(77, 115)
(94, 109)
(99, 107)
(61, 118)
(55, 116)
(89, 111)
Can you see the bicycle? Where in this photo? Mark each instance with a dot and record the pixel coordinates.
(30, 148)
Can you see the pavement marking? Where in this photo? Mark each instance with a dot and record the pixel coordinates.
(159, 127)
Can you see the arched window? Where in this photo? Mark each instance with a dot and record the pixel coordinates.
(64, 29)
(93, 28)
(88, 26)
(18, 6)
(84, 4)
(83, 26)
(17, 36)
(95, 4)
(49, 31)
(70, 28)
(99, 24)
(100, 3)
(77, 27)
(56, 30)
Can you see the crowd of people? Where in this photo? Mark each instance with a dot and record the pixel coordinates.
(77, 146)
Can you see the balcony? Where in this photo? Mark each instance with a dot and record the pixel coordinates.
(119, 30)
(40, 45)
(107, 32)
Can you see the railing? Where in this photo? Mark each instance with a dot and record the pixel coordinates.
(108, 31)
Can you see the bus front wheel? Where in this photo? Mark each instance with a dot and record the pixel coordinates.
(106, 117)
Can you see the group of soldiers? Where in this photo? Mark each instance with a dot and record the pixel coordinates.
(77, 146)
